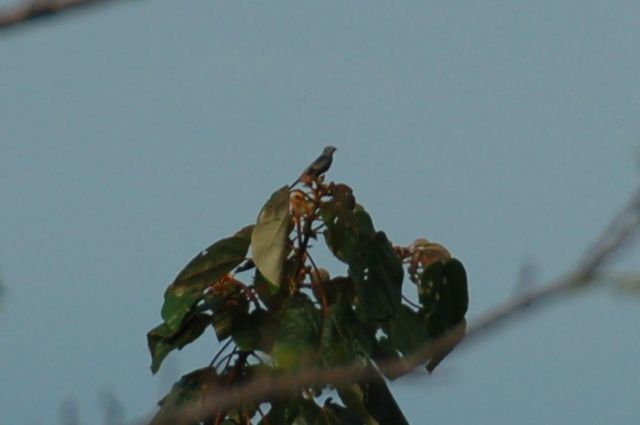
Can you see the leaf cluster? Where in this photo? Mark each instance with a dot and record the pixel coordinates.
(277, 311)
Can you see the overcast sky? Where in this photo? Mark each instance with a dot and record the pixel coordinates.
(134, 135)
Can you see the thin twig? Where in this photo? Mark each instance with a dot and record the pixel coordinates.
(30, 11)
(220, 351)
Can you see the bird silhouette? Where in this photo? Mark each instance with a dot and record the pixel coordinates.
(317, 167)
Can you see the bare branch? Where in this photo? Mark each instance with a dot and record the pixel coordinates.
(31, 11)
(618, 234)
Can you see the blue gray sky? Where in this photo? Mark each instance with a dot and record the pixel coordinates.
(134, 135)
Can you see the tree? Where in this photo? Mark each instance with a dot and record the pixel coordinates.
(278, 312)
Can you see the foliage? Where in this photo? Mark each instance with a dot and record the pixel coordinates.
(278, 312)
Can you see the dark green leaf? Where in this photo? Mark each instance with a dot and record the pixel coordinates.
(433, 299)
(338, 216)
(384, 350)
(344, 339)
(380, 403)
(346, 230)
(276, 415)
(268, 294)
(162, 339)
(374, 266)
(457, 282)
(377, 273)
(454, 336)
(191, 388)
(443, 294)
(340, 289)
(341, 415)
(353, 397)
(254, 331)
(234, 310)
(407, 331)
(209, 266)
(297, 334)
(270, 235)
(306, 412)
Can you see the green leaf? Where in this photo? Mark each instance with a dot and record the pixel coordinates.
(338, 216)
(434, 300)
(384, 350)
(454, 335)
(206, 268)
(191, 388)
(407, 331)
(353, 397)
(306, 412)
(379, 401)
(377, 273)
(276, 415)
(235, 309)
(270, 296)
(254, 331)
(346, 231)
(270, 235)
(457, 282)
(297, 334)
(444, 297)
(344, 339)
(162, 339)
(374, 266)
(443, 294)
(340, 415)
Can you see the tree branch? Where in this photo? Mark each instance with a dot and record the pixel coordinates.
(30, 11)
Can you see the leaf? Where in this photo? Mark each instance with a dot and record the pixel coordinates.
(458, 291)
(407, 331)
(162, 339)
(379, 401)
(297, 334)
(234, 309)
(384, 350)
(443, 293)
(377, 273)
(191, 388)
(343, 338)
(341, 415)
(454, 336)
(276, 414)
(269, 238)
(301, 411)
(433, 298)
(374, 266)
(353, 397)
(338, 216)
(254, 331)
(270, 296)
(207, 267)
(444, 297)
(346, 231)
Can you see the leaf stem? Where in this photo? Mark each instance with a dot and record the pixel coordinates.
(223, 349)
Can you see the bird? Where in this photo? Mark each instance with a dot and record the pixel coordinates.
(317, 167)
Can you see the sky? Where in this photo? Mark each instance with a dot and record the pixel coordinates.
(134, 135)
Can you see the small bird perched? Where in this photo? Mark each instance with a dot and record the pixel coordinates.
(317, 167)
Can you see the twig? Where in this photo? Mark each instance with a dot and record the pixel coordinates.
(618, 234)
(220, 351)
(30, 11)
